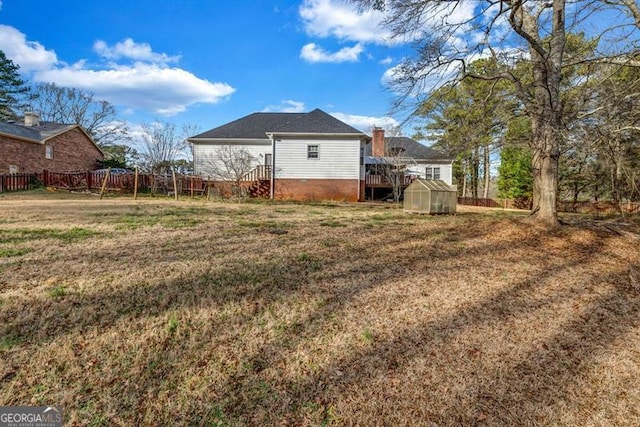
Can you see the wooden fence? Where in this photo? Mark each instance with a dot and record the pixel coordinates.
(599, 208)
(124, 183)
(93, 181)
(593, 208)
(18, 181)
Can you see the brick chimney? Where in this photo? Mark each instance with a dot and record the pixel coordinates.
(31, 119)
(377, 145)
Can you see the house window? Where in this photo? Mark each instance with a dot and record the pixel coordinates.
(268, 159)
(13, 169)
(313, 152)
(48, 153)
(432, 173)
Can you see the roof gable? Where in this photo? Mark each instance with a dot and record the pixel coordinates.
(405, 147)
(257, 125)
(408, 147)
(40, 133)
(317, 122)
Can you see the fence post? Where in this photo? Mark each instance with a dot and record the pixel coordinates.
(175, 183)
(135, 185)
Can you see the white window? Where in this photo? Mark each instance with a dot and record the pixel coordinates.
(432, 172)
(13, 169)
(313, 152)
(267, 159)
(48, 152)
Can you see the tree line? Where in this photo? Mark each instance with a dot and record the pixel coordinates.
(158, 147)
(600, 149)
(550, 83)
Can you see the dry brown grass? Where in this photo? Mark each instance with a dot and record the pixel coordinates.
(198, 313)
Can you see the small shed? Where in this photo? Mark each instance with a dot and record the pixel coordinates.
(430, 197)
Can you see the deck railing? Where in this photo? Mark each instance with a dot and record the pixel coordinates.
(259, 173)
(382, 180)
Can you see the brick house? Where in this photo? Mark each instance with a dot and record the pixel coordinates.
(295, 156)
(34, 146)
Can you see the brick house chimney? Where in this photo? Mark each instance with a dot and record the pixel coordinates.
(377, 145)
(31, 119)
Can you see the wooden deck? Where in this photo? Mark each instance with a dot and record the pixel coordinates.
(380, 181)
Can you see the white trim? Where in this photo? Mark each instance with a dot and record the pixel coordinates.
(229, 141)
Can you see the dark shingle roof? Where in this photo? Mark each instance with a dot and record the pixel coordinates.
(41, 132)
(409, 148)
(316, 121)
(256, 125)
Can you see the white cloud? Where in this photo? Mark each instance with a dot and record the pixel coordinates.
(386, 61)
(331, 18)
(366, 123)
(313, 53)
(28, 55)
(165, 91)
(145, 83)
(426, 81)
(286, 106)
(343, 20)
(129, 49)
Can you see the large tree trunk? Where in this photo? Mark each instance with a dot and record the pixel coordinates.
(475, 172)
(464, 179)
(545, 177)
(487, 171)
(546, 114)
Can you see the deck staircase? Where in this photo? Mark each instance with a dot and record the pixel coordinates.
(258, 181)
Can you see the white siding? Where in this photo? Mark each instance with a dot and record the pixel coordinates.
(204, 154)
(446, 173)
(363, 169)
(337, 159)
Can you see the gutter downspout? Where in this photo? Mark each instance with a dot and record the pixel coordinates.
(360, 164)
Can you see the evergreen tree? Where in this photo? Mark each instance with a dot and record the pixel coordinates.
(515, 179)
(12, 89)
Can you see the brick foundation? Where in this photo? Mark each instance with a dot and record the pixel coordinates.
(317, 189)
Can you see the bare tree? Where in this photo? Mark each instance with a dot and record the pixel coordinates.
(162, 143)
(76, 106)
(511, 31)
(231, 164)
(393, 165)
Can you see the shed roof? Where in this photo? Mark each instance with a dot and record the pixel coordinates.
(257, 125)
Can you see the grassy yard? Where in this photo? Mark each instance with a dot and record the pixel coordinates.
(199, 313)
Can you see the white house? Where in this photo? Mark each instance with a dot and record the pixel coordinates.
(300, 156)
(418, 160)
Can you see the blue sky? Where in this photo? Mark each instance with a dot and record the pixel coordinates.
(206, 62)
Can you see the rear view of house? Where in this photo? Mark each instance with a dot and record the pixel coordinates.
(34, 146)
(300, 156)
(393, 163)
